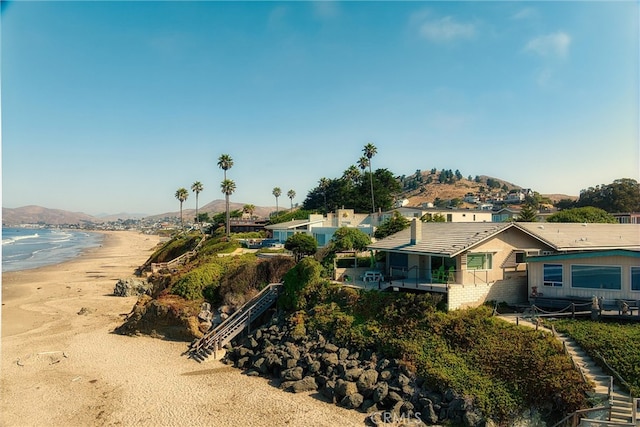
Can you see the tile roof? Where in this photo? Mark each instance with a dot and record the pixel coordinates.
(452, 238)
(576, 236)
(443, 238)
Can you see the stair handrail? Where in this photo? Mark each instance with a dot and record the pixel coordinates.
(238, 317)
(577, 415)
(615, 373)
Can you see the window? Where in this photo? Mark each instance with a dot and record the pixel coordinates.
(635, 278)
(596, 277)
(449, 217)
(479, 261)
(552, 274)
(520, 257)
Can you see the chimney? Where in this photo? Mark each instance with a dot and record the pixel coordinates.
(416, 231)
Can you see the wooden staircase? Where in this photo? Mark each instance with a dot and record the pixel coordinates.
(619, 403)
(218, 336)
(616, 407)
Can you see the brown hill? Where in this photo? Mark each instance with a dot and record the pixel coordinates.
(429, 189)
(215, 207)
(39, 215)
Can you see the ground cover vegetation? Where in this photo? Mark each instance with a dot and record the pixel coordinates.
(617, 343)
(504, 368)
(173, 248)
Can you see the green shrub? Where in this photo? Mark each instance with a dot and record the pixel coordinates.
(304, 274)
(191, 285)
(175, 247)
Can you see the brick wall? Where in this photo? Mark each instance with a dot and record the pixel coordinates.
(512, 290)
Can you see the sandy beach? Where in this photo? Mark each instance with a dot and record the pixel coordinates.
(63, 366)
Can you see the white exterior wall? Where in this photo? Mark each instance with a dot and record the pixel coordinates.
(536, 276)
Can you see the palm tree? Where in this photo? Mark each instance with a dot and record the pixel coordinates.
(250, 209)
(225, 162)
(291, 194)
(228, 187)
(181, 194)
(351, 174)
(363, 163)
(324, 184)
(197, 188)
(370, 150)
(277, 192)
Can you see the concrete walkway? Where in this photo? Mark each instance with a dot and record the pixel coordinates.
(619, 401)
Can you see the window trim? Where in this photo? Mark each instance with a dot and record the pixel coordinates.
(631, 268)
(488, 256)
(551, 283)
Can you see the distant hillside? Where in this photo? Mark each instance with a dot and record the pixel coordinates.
(40, 215)
(428, 189)
(218, 206)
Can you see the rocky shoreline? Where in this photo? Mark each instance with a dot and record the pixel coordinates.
(382, 388)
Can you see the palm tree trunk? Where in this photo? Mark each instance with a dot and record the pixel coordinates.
(373, 203)
(196, 208)
(226, 196)
(181, 222)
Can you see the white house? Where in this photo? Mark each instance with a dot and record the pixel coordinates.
(450, 215)
(322, 228)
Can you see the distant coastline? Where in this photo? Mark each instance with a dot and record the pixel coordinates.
(25, 248)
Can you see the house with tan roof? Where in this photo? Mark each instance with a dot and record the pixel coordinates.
(471, 263)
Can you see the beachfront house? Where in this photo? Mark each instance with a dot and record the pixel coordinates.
(471, 263)
(322, 228)
(585, 260)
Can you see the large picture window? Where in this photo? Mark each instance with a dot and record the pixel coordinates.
(635, 278)
(552, 274)
(479, 261)
(596, 277)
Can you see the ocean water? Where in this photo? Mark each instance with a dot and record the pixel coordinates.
(26, 248)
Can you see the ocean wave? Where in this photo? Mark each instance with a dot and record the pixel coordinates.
(15, 239)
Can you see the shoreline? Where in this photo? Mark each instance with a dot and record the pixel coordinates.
(47, 262)
(63, 365)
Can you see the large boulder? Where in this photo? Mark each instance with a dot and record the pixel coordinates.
(367, 381)
(345, 388)
(352, 401)
(132, 288)
(306, 384)
(292, 374)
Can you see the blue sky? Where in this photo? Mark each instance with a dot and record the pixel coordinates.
(112, 106)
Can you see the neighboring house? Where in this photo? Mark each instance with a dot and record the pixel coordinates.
(471, 198)
(505, 214)
(515, 197)
(245, 225)
(471, 263)
(586, 260)
(322, 228)
(627, 217)
(450, 215)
